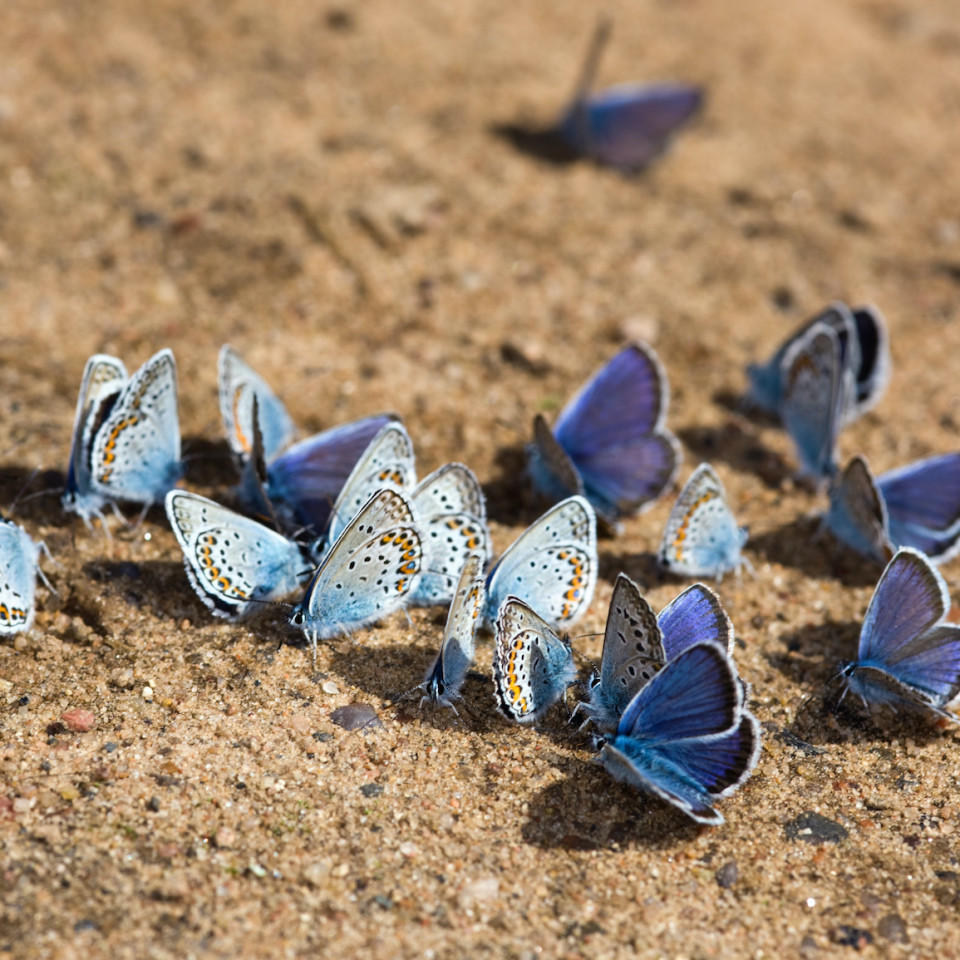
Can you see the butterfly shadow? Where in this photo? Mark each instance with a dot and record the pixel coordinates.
(209, 463)
(158, 585)
(542, 143)
(732, 444)
(803, 545)
(740, 405)
(510, 497)
(33, 495)
(642, 568)
(588, 810)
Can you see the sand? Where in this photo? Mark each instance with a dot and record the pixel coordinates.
(333, 188)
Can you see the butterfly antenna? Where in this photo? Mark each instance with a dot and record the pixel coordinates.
(47, 491)
(588, 72)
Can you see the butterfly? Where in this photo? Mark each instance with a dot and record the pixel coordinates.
(126, 435)
(637, 643)
(233, 563)
(686, 736)
(532, 666)
(552, 565)
(814, 396)
(445, 677)
(238, 384)
(914, 506)
(702, 537)
(448, 504)
(868, 360)
(19, 559)
(907, 653)
(609, 443)
(370, 572)
(625, 126)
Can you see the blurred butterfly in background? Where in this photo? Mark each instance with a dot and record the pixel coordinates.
(863, 331)
(815, 390)
(19, 566)
(702, 537)
(233, 563)
(907, 655)
(445, 677)
(625, 126)
(371, 571)
(687, 736)
(532, 665)
(609, 443)
(917, 505)
(126, 436)
(637, 643)
(552, 565)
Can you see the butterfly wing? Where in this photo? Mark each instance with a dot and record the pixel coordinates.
(304, 481)
(103, 376)
(873, 371)
(701, 537)
(388, 461)
(551, 469)
(532, 666)
(135, 454)
(922, 501)
(552, 565)
(445, 678)
(613, 432)
(857, 515)
(232, 562)
(911, 598)
(632, 653)
(238, 384)
(813, 399)
(451, 512)
(19, 556)
(628, 126)
(695, 616)
(368, 573)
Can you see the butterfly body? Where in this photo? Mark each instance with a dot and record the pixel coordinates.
(686, 736)
(367, 574)
(445, 677)
(609, 443)
(126, 439)
(532, 665)
(907, 653)
(702, 537)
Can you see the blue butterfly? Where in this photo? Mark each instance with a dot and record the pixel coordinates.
(233, 563)
(532, 666)
(915, 506)
(817, 387)
(609, 443)
(126, 435)
(238, 385)
(637, 643)
(907, 654)
(625, 126)
(867, 360)
(552, 565)
(445, 677)
(19, 559)
(370, 572)
(702, 537)
(686, 736)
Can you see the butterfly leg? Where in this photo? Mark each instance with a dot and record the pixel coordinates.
(42, 547)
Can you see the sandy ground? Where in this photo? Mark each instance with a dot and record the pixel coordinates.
(335, 189)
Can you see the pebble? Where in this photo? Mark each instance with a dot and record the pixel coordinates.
(893, 928)
(356, 716)
(728, 875)
(328, 686)
(79, 720)
(483, 890)
(814, 828)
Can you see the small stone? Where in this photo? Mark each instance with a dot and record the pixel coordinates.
(371, 789)
(728, 875)
(79, 720)
(321, 736)
(328, 686)
(847, 936)
(153, 804)
(23, 805)
(892, 928)
(109, 747)
(408, 850)
(383, 902)
(225, 838)
(70, 793)
(300, 723)
(814, 828)
(340, 870)
(147, 693)
(356, 716)
(484, 890)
